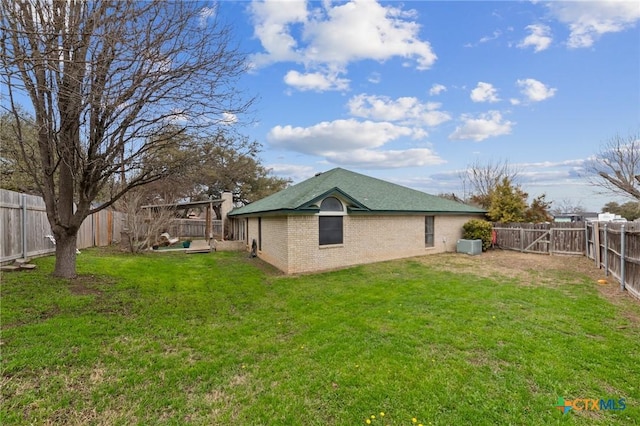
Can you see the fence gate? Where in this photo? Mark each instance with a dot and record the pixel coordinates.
(539, 244)
(546, 238)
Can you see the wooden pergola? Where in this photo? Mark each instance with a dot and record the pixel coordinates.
(207, 204)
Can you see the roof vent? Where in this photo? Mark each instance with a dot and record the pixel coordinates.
(318, 174)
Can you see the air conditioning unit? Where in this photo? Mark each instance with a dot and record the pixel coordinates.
(472, 247)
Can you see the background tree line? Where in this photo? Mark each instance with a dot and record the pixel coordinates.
(492, 186)
(197, 167)
(615, 169)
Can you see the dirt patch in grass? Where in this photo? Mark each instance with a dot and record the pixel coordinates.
(265, 267)
(86, 285)
(512, 264)
(530, 269)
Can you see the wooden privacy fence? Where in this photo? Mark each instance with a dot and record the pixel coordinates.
(614, 246)
(24, 227)
(548, 238)
(194, 228)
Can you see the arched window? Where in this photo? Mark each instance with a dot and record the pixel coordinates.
(331, 204)
(330, 226)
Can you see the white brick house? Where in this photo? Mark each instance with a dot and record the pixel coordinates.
(340, 218)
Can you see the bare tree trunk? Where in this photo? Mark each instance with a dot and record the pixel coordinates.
(65, 255)
(67, 234)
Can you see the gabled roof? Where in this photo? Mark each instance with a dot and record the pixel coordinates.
(362, 193)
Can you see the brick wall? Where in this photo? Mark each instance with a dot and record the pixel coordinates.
(291, 243)
(274, 240)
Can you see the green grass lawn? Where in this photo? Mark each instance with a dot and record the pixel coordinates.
(222, 339)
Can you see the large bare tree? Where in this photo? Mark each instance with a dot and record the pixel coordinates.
(110, 82)
(616, 168)
(479, 180)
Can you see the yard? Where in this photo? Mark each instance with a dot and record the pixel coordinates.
(223, 339)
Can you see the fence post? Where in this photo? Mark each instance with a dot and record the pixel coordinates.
(23, 200)
(586, 239)
(521, 239)
(606, 251)
(596, 243)
(622, 256)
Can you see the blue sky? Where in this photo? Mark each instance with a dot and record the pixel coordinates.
(413, 92)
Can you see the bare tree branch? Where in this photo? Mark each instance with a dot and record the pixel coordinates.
(615, 169)
(479, 180)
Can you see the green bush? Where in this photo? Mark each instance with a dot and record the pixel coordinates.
(478, 229)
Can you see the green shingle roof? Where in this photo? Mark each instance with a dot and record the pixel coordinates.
(364, 194)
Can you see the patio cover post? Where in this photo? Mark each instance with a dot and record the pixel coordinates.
(208, 220)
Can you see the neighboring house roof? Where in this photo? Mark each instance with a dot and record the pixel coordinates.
(363, 194)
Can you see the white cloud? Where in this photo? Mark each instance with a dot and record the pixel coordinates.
(406, 110)
(495, 35)
(315, 81)
(539, 38)
(177, 116)
(272, 25)
(332, 36)
(482, 127)
(436, 89)
(374, 159)
(566, 163)
(205, 14)
(229, 118)
(295, 172)
(484, 92)
(588, 20)
(366, 30)
(336, 136)
(534, 90)
(354, 143)
(374, 78)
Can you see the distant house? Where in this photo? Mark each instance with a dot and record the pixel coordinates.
(340, 218)
(575, 217)
(568, 217)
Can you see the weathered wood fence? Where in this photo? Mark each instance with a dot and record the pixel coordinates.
(24, 227)
(194, 228)
(548, 238)
(613, 246)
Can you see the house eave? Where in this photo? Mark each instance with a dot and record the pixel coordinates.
(278, 212)
(417, 212)
(357, 212)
